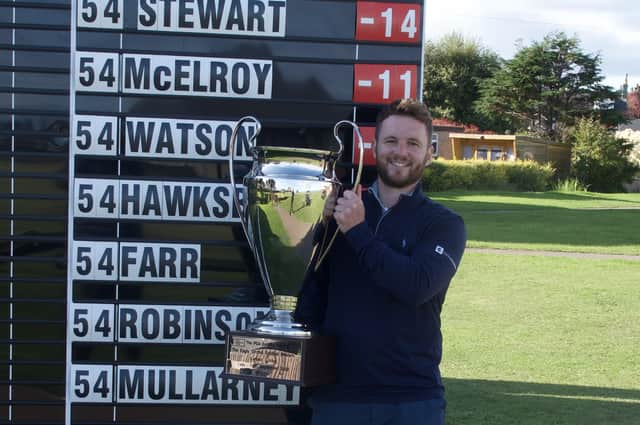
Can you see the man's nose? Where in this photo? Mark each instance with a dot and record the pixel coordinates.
(401, 148)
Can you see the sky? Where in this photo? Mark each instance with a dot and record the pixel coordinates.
(610, 28)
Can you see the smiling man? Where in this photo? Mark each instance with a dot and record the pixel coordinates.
(382, 289)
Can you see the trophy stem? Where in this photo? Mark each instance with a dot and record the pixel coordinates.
(284, 302)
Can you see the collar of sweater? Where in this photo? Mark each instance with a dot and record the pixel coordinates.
(411, 199)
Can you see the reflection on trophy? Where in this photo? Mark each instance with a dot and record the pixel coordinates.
(286, 192)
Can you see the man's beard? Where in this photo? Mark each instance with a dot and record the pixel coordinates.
(414, 175)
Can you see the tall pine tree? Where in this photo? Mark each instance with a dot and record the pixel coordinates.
(547, 87)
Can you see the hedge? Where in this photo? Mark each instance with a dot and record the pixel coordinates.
(526, 176)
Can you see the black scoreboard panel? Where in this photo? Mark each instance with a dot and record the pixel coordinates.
(122, 259)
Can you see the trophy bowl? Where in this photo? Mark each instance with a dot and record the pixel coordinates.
(286, 191)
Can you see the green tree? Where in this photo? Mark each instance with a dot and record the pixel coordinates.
(454, 67)
(599, 160)
(547, 87)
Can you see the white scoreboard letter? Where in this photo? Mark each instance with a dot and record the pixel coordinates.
(96, 72)
(95, 260)
(93, 322)
(92, 383)
(97, 198)
(94, 135)
(105, 14)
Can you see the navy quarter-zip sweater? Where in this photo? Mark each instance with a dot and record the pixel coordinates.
(381, 293)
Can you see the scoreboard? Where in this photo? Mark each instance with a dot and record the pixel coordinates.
(117, 214)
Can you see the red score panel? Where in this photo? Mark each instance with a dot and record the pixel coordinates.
(375, 83)
(368, 136)
(388, 22)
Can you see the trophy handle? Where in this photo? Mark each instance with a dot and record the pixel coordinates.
(243, 212)
(336, 135)
(336, 129)
(356, 182)
(234, 195)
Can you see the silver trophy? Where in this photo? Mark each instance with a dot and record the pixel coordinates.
(286, 191)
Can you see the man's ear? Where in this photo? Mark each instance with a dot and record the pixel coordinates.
(374, 146)
(429, 157)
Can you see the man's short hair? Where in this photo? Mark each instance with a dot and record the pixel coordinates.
(410, 108)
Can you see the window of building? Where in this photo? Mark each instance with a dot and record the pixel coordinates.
(467, 152)
(434, 144)
(482, 152)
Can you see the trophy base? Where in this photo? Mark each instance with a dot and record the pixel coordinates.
(306, 361)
